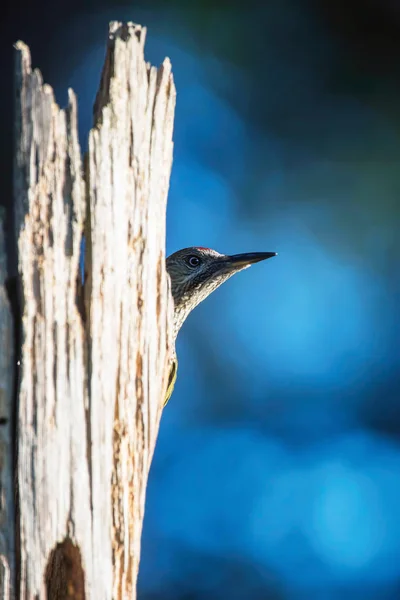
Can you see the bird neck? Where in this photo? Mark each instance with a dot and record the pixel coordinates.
(186, 299)
(181, 312)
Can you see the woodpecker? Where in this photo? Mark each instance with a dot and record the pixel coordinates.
(195, 273)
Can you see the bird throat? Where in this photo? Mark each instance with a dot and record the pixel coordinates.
(191, 297)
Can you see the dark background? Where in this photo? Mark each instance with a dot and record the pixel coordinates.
(276, 475)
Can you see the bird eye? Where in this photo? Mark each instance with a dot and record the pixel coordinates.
(194, 261)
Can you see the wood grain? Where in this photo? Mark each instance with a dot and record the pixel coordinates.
(94, 359)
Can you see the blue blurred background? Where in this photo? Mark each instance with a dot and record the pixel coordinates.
(276, 474)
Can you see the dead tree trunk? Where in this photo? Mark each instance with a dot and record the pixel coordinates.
(7, 532)
(94, 358)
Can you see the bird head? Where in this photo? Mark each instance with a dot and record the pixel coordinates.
(196, 272)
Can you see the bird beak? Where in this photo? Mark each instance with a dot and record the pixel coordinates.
(247, 259)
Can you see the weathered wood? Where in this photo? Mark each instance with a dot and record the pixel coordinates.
(7, 533)
(94, 366)
(130, 158)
